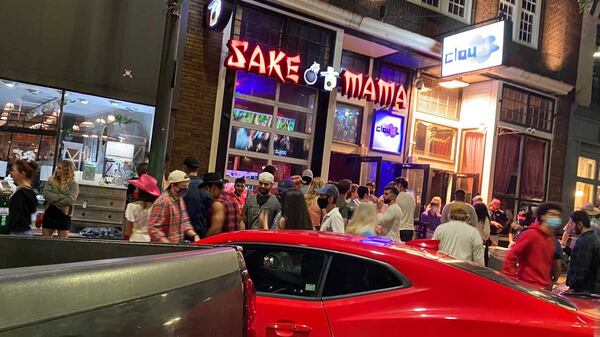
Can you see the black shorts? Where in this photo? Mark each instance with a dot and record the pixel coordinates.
(54, 218)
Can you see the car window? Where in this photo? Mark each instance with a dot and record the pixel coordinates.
(353, 275)
(284, 271)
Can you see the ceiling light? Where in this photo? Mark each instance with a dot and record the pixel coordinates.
(454, 84)
(83, 101)
(579, 194)
(597, 54)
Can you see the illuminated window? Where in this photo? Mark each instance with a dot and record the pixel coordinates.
(584, 193)
(525, 15)
(457, 9)
(347, 123)
(586, 168)
(439, 101)
(433, 141)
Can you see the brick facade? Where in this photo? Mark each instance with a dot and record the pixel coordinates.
(192, 122)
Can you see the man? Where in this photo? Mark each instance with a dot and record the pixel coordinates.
(343, 203)
(297, 180)
(531, 258)
(169, 221)
(333, 220)
(569, 229)
(388, 222)
(498, 218)
(197, 201)
(408, 206)
(363, 195)
(307, 178)
(584, 265)
(239, 193)
(282, 187)
(459, 200)
(224, 211)
(260, 208)
(458, 238)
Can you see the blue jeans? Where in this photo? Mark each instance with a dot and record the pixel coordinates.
(25, 233)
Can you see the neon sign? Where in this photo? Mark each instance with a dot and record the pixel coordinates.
(362, 86)
(217, 14)
(387, 132)
(276, 64)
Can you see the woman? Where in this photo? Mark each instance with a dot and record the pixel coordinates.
(60, 193)
(311, 202)
(22, 203)
(294, 213)
(432, 216)
(483, 221)
(364, 220)
(138, 212)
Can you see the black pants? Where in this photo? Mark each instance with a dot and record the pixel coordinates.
(406, 235)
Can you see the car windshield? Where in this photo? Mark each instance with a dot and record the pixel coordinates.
(512, 283)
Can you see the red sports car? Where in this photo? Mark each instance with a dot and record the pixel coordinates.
(323, 284)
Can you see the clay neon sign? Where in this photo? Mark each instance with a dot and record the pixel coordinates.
(276, 64)
(362, 86)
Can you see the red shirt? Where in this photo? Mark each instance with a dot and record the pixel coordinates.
(239, 200)
(232, 213)
(534, 252)
(169, 219)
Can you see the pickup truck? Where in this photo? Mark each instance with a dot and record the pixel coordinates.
(54, 287)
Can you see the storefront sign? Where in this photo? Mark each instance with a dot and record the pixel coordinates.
(362, 86)
(473, 50)
(217, 14)
(387, 132)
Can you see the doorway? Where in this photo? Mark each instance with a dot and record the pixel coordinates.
(440, 182)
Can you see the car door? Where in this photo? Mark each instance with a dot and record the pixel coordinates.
(287, 281)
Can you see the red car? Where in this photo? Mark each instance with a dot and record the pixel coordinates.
(320, 284)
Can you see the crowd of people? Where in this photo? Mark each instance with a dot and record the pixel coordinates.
(190, 208)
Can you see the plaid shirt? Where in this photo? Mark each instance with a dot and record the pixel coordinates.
(232, 213)
(584, 266)
(169, 219)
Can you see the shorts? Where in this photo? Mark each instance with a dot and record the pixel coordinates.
(55, 219)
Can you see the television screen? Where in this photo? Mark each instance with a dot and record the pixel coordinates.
(387, 132)
(347, 123)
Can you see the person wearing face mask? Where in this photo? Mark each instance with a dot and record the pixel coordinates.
(388, 222)
(307, 178)
(224, 212)
(432, 216)
(169, 220)
(260, 208)
(532, 258)
(327, 201)
(584, 266)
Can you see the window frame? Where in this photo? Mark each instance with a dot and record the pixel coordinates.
(443, 9)
(359, 128)
(406, 283)
(437, 102)
(524, 119)
(594, 182)
(420, 157)
(516, 22)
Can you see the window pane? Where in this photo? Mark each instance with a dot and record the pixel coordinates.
(246, 167)
(507, 159)
(4, 146)
(347, 123)
(293, 147)
(249, 140)
(289, 120)
(439, 101)
(457, 7)
(532, 182)
(350, 275)
(586, 168)
(29, 106)
(434, 141)
(284, 271)
(298, 95)
(252, 113)
(434, 3)
(255, 85)
(584, 193)
(286, 170)
(513, 107)
(354, 62)
(261, 27)
(24, 145)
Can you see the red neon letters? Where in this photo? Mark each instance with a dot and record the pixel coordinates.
(364, 87)
(277, 65)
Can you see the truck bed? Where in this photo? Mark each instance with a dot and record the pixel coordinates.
(53, 287)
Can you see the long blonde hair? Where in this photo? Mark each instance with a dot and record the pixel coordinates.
(312, 194)
(363, 219)
(64, 173)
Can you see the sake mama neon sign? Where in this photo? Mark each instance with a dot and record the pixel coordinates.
(286, 69)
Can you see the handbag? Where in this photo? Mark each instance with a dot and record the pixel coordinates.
(39, 218)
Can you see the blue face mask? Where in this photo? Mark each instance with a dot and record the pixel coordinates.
(554, 222)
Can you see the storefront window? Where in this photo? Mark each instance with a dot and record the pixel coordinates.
(527, 109)
(305, 97)
(257, 86)
(584, 193)
(436, 142)
(286, 170)
(245, 167)
(290, 120)
(586, 168)
(286, 146)
(354, 62)
(439, 101)
(105, 139)
(250, 140)
(347, 123)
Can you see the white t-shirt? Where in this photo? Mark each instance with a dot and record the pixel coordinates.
(460, 240)
(390, 221)
(136, 213)
(333, 222)
(408, 206)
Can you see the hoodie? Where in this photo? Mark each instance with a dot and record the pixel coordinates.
(20, 207)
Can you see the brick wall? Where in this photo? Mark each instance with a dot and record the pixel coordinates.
(192, 122)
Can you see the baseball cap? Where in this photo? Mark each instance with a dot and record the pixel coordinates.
(266, 177)
(330, 190)
(191, 162)
(285, 185)
(178, 176)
